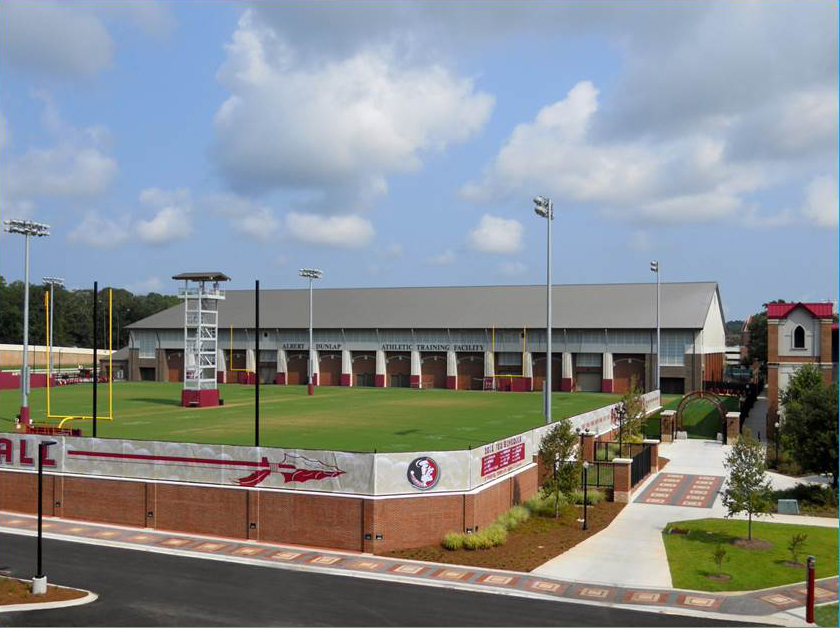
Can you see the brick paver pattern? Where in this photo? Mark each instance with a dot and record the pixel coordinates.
(677, 489)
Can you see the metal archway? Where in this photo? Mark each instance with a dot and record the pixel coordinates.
(696, 395)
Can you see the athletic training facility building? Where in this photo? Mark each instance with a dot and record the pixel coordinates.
(454, 337)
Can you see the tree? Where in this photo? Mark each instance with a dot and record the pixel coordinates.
(557, 449)
(634, 406)
(747, 487)
(733, 332)
(809, 427)
(757, 343)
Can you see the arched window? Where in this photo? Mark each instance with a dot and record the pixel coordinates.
(799, 337)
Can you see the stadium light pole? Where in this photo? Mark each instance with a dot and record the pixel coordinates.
(544, 208)
(25, 228)
(311, 274)
(53, 281)
(39, 584)
(654, 267)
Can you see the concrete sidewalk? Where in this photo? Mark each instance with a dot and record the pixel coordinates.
(630, 550)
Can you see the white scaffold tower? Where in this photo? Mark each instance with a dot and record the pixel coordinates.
(201, 295)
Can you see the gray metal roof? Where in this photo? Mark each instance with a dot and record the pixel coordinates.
(577, 306)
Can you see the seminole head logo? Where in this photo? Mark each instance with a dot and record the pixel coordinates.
(423, 473)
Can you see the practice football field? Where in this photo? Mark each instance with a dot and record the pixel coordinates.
(341, 418)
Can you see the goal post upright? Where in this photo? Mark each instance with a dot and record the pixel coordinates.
(201, 295)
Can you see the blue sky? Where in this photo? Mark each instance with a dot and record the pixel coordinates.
(401, 143)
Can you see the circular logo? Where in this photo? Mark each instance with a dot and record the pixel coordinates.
(423, 473)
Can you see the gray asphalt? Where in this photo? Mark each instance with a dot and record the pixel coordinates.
(147, 589)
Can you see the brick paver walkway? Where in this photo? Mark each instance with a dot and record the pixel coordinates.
(755, 603)
(677, 489)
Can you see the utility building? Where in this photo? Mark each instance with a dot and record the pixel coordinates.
(604, 336)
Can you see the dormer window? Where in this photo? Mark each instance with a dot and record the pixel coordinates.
(799, 337)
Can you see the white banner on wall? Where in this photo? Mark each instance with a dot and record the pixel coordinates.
(340, 472)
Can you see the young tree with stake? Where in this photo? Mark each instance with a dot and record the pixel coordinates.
(557, 450)
(747, 487)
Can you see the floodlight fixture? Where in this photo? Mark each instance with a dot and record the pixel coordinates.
(26, 227)
(654, 266)
(311, 273)
(53, 281)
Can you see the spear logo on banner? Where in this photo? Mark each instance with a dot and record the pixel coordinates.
(292, 468)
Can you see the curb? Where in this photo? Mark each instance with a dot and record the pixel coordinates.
(43, 606)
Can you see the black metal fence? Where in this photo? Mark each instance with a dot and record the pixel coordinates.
(640, 466)
(600, 474)
(607, 450)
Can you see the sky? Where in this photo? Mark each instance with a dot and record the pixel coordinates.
(401, 143)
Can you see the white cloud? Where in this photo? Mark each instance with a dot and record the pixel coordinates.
(172, 218)
(145, 286)
(821, 201)
(512, 269)
(341, 231)
(333, 129)
(71, 40)
(77, 167)
(445, 258)
(675, 180)
(101, 232)
(496, 235)
(247, 217)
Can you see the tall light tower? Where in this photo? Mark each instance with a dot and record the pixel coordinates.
(53, 281)
(311, 274)
(654, 267)
(26, 228)
(545, 209)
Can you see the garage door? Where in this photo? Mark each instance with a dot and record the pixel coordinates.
(625, 369)
(398, 369)
(329, 368)
(433, 370)
(539, 370)
(364, 368)
(471, 371)
(297, 368)
(588, 382)
(175, 365)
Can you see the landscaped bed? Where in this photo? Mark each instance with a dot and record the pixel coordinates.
(14, 591)
(766, 562)
(533, 543)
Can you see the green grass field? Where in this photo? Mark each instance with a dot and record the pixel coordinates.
(352, 419)
(691, 562)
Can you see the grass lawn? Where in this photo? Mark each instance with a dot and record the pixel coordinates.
(690, 555)
(345, 418)
(701, 418)
(826, 615)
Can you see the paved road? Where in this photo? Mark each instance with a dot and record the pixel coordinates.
(142, 588)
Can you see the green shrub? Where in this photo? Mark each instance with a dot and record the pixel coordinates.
(513, 517)
(593, 496)
(543, 505)
(453, 540)
(493, 535)
(472, 541)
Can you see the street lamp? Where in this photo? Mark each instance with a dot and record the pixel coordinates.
(53, 281)
(311, 273)
(777, 425)
(39, 584)
(26, 228)
(621, 412)
(654, 267)
(544, 208)
(585, 482)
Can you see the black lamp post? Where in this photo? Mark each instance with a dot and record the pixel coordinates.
(776, 425)
(42, 447)
(621, 414)
(585, 482)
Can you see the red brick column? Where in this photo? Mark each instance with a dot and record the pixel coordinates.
(666, 425)
(621, 480)
(733, 427)
(654, 453)
(589, 447)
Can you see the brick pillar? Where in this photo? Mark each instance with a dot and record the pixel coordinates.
(451, 370)
(368, 525)
(654, 453)
(253, 531)
(566, 377)
(666, 425)
(469, 512)
(150, 504)
(607, 373)
(733, 427)
(58, 495)
(589, 447)
(415, 369)
(346, 368)
(621, 480)
(379, 377)
(282, 367)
